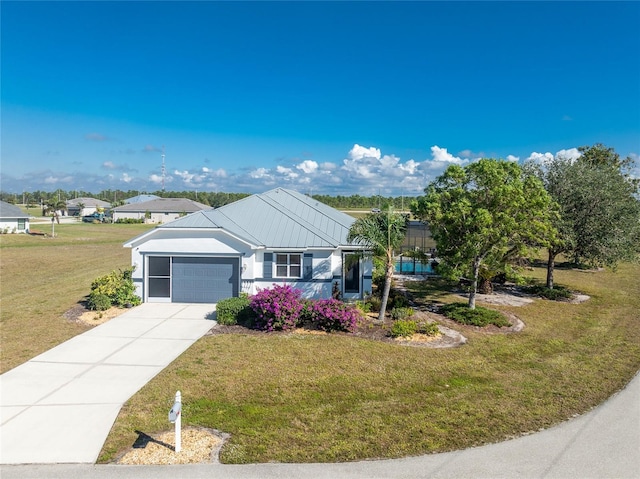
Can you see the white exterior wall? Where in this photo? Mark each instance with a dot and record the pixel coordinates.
(171, 243)
(156, 218)
(11, 225)
(326, 264)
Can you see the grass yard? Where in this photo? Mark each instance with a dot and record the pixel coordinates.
(308, 398)
(336, 398)
(41, 278)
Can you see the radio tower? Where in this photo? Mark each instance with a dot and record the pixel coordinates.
(163, 169)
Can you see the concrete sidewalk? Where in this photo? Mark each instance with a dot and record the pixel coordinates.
(59, 406)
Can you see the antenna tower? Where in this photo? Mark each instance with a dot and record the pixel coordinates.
(163, 169)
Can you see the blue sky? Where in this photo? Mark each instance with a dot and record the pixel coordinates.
(322, 97)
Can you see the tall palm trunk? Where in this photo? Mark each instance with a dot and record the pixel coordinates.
(387, 288)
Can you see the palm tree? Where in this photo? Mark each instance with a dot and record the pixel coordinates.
(381, 233)
(53, 206)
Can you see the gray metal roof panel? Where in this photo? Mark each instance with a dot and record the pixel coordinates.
(278, 219)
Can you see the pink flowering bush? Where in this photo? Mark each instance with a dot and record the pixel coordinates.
(282, 308)
(278, 308)
(334, 315)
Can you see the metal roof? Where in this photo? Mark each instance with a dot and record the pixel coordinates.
(279, 218)
(163, 205)
(7, 210)
(140, 199)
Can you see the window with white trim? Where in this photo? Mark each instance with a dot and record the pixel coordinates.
(288, 265)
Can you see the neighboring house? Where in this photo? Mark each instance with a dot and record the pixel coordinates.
(158, 210)
(140, 199)
(280, 236)
(86, 206)
(12, 219)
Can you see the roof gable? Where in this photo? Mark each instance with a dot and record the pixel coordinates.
(279, 218)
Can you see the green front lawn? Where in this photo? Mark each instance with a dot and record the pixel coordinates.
(308, 398)
(334, 397)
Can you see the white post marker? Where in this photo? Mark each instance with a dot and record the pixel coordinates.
(175, 416)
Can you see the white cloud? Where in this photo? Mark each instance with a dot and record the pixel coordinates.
(513, 158)
(157, 179)
(260, 173)
(441, 155)
(126, 178)
(286, 173)
(109, 165)
(410, 167)
(219, 173)
(540, 157)
(358, 152)
(308, 166)
(570, 154)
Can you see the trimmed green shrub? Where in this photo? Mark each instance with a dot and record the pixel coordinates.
(401, 313)
(98, 301)
(403, 328)
(130, 221)
(555, 294)
(479, 316)
(232, 311)
(430, 329)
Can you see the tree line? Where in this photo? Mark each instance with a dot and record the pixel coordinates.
(215, 199)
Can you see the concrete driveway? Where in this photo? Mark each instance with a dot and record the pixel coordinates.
(59, 406)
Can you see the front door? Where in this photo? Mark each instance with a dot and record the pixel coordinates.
(352, 277)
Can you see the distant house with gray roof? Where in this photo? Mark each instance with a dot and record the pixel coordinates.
(280, 236)
(158, 210)
(12, 219)
(86, 206)
(140, 198)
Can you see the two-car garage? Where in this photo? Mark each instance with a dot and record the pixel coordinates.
(192, 279)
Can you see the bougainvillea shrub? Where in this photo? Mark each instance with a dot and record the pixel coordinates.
(334, 315)
(278, 308)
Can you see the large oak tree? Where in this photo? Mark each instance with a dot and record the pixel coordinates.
(484, 213)
(599, 222)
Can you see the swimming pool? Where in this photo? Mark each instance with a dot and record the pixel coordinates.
(411, 266)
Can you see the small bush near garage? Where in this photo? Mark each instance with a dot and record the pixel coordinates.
(479, 316)
(232, 311)
(98, 302)
(117, 286)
